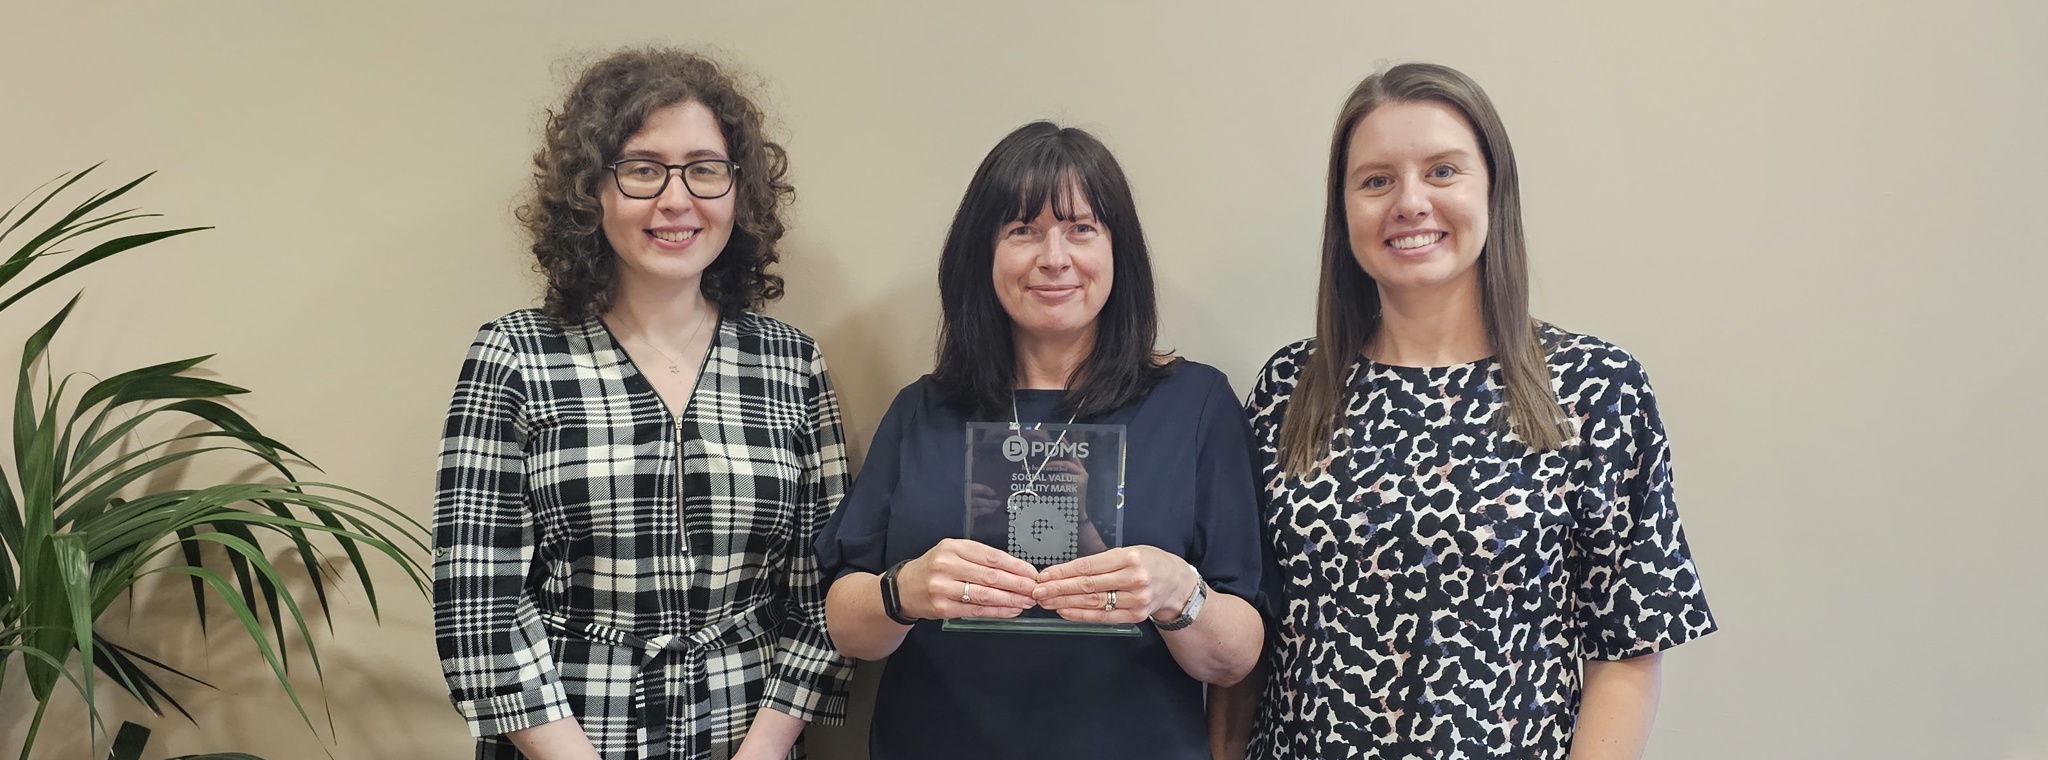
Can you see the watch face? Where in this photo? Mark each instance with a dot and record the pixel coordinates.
(892, 597)
(1191, 609)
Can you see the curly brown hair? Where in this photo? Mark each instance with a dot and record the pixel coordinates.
(607, 106)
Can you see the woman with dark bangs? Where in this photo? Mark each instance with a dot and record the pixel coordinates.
(1471, 510)
(632, 476)
(1049, 313)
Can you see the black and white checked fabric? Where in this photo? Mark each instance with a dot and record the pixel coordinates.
(567, 581)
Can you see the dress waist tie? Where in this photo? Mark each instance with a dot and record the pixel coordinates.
(651, 698)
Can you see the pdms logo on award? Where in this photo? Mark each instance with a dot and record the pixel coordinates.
(1016, 449)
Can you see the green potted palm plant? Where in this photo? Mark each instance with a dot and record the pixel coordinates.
(79, 526)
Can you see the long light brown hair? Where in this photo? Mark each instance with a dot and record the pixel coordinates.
(1348, 300)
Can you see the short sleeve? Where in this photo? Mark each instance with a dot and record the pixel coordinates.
(1638, 591)
(856, 538)
(494, 650)
(1227, 549)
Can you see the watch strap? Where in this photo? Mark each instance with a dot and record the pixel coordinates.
(1192, 609)
(892, 597)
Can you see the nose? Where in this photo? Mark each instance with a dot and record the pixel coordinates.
(675, 196)
(1056, 256)
(1412, 203)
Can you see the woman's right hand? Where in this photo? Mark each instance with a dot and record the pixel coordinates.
(559, 739)
(993, 583)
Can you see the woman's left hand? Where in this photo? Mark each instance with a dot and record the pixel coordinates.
(1123, 585)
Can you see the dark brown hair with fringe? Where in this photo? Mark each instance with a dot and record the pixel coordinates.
(1036, 167)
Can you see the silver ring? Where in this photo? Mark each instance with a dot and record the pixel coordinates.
(965, 597)
(1110, 606)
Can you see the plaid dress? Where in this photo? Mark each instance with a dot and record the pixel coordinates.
(651, 575)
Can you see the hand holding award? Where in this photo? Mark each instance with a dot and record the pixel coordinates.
(961, 578)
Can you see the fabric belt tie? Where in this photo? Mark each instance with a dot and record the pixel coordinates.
(651, 721)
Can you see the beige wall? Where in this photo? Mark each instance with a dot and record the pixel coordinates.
(1805, 218)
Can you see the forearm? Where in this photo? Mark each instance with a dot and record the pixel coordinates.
(1231, 709)
(1616, 708)
(1223, 644)
(855, 619)
(555, 740)
(771, 735)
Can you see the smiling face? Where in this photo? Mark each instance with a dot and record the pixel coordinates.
(1053, 275)
(1415, 198)
(671, 237)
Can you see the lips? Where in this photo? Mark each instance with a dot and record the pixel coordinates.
(1415, 240)
(673, 236)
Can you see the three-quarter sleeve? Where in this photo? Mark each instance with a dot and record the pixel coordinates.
(494, 650)
(1227, 546)
(810, 679)
(1638, 591)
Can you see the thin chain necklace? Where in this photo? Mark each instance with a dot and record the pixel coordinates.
(674, 367)
(1031, 481)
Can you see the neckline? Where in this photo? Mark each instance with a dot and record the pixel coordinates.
(1365, 371)
(1375, 364)
(634, 371)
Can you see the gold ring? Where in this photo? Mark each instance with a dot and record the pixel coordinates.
(1110, 606)
(965, 596)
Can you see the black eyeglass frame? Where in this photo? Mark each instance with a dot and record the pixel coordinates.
(669, 174)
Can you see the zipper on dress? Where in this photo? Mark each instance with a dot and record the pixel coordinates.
(691, 562)
(682, 509)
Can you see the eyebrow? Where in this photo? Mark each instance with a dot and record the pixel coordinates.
(656, 156)
(1432, 158)
(1083, 217)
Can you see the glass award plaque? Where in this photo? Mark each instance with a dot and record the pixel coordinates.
(1046, 493)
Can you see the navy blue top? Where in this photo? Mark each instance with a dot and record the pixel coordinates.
(1188, 490)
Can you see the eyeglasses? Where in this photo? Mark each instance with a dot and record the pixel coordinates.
(643, 178)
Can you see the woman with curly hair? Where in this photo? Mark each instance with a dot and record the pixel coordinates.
(631, 476)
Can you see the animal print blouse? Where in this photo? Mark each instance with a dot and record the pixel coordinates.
(1439, 583)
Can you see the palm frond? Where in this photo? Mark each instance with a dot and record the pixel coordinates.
(67, 179)
(124, 666)
(249, 623)
(75, 536)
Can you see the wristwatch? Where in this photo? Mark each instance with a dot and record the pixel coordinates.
(1192, 609)
(892, 600)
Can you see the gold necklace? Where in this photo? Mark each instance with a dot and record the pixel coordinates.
(674, 367)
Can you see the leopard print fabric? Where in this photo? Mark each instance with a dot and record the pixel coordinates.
(1439, 583)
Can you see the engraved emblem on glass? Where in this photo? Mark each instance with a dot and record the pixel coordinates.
(1046, 493)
